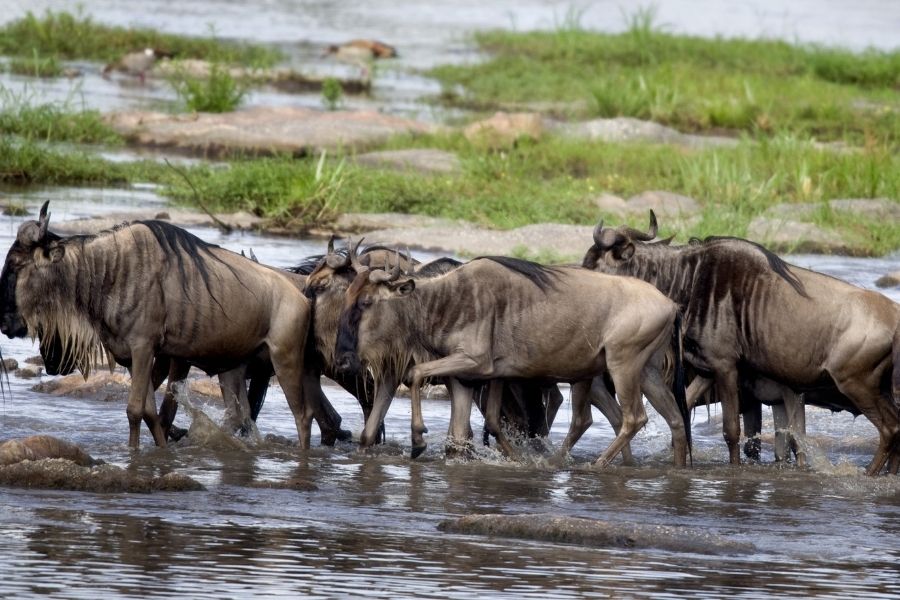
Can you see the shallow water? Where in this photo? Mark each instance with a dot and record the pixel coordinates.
(426, 32)
(349, 524)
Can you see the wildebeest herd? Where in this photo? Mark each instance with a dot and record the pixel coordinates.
(635, 318)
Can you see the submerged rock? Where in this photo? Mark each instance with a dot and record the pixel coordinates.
(889, 280)
(37, 447)
(10, 364)
(594, 532)
(63, 474)
(111, 387)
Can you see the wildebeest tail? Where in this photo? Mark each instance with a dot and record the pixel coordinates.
(896, 375)
(678, 385)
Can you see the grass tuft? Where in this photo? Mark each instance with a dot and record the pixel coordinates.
(216, 93)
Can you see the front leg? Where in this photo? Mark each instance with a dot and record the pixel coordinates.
(458, 364)
(141, 405)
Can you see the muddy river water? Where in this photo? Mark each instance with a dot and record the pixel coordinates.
(353, 524)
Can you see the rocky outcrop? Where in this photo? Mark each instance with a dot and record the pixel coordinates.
(875, 208)
(427, 161)
(261, 130)
(182, 218)
(595, 533)
(628, 129)
(505, 129)
(112, 387)
(782, 235)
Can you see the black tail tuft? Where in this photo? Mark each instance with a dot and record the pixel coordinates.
(678, 384)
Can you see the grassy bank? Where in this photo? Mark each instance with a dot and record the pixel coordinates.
(52, 122)
(66, 35)
(760, 87)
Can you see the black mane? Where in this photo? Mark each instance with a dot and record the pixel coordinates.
(776, 263)
(179, 243)
(438, 267)
(540, 275)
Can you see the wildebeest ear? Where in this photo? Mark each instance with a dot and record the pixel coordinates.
(405, 288)
(624, 252)
(56, 252)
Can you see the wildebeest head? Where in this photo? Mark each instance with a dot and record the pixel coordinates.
(34, 249)
(363, 324)
(614, 247)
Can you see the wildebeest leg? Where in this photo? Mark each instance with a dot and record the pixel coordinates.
(609, 408)
(662, 399)
(287, 360)
(698, 387)
(326, 416)
(581, 415)
(177, 372)
(384, 393)
(752, 417)
(141, 405)
(553, 399)
(232, 384)
(256, 393)
(796, 423)
(460, 431)
(492, 418)
(455, 364)
(627, 380)
(881, 412)
(727, 393)
(782, 443)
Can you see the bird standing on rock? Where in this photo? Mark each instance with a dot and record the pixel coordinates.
(361, 53)
(134, 63)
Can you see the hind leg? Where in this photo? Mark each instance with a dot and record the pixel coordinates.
(662, 399)
(581, 415)
(627, 379)
(883, 415)
(603, 401)
(177, 372)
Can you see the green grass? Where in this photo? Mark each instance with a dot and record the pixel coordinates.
(52, 122)
(217, 93)
(35, 66)
(762, 87)
(77, 36)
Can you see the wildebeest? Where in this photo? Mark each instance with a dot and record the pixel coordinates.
(498, 318)
(529, 409)
(746, 308)
(146, 289)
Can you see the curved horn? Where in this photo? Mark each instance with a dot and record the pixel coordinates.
(353, 254)
(393, 274)
(330, 245)
(44, 219)
(640, 235)
(410, 268)
(597, 231)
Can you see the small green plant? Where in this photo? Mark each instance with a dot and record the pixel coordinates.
(217, 92)
(36, 66)
(332, 93)
(52, 121)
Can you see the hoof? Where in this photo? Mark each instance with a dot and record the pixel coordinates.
(418, 450)
(344, 435)
(176, 433)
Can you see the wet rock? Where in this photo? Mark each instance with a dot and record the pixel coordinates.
(10, 364)
(505, 129)
(62, 474)
(889, 280)
(628, 129)
(595, 533)
(35, 360)
(28, 372)
(664, 204)
(422, 160)
(782, 235)
(262, 130)
(294, 483)
(37, 447)
(103, 386)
